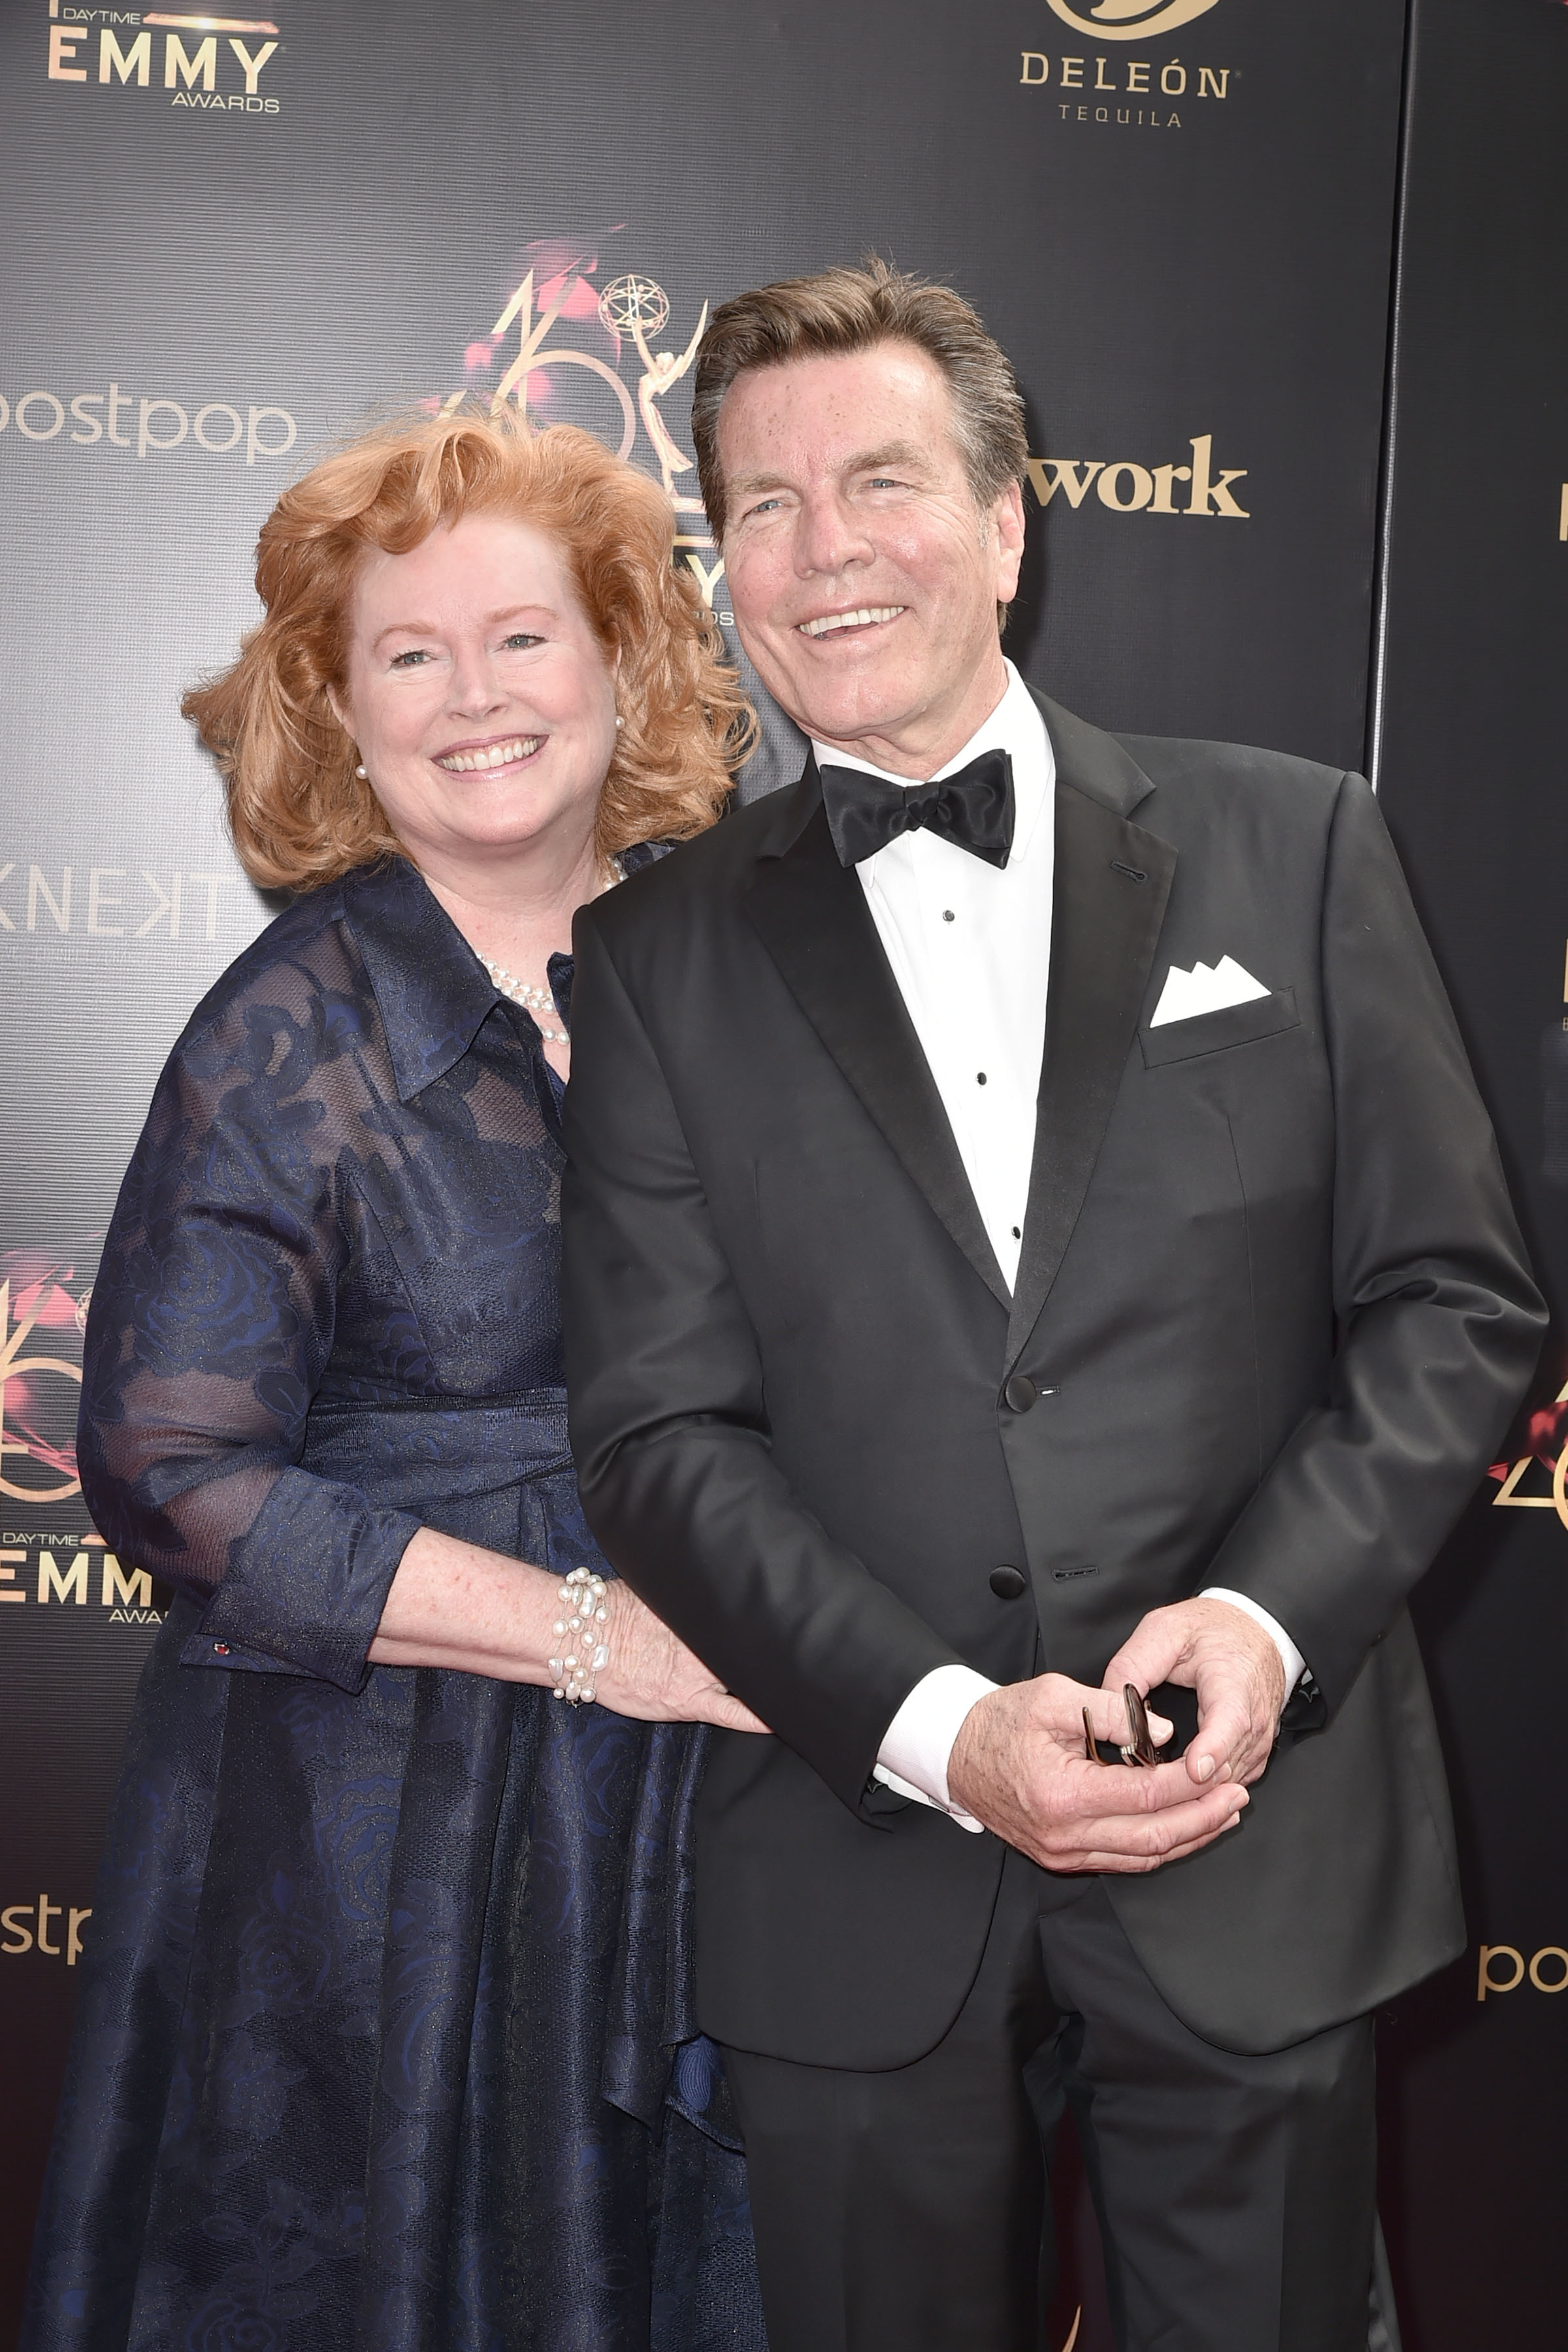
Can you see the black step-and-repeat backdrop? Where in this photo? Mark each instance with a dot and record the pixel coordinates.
(227, 239)
(1470, 723)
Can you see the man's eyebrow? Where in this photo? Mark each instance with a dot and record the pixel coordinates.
(906, 454)
(891, 453)
(745, 486)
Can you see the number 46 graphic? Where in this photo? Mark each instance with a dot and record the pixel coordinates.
(1508, 1495)
(13, 1367)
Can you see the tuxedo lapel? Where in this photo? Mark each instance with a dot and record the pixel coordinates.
(1113, 880)
(811, 915)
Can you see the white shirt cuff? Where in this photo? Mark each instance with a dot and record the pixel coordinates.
(1290, 1657)
(912, 1760)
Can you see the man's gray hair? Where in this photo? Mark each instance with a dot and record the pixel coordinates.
(843, 311)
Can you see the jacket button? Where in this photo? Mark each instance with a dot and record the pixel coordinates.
(1008, 1583)
(1020, 1393)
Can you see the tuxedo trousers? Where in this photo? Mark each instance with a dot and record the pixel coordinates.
(909, 2211)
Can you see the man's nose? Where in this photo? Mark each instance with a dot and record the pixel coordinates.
(829, 539)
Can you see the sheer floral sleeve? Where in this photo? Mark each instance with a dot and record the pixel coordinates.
(213, 1319)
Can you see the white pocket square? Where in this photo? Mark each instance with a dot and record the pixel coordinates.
(1207, 988)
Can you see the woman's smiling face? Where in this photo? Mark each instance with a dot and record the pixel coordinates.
(478, 692)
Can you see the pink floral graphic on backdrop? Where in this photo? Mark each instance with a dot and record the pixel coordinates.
(43, 1308)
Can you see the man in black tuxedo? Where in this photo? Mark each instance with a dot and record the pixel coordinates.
(1030, 1229)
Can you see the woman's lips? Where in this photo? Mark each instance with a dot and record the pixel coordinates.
(483, 756)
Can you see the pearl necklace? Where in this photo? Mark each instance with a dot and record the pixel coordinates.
(539, 1000)
(532, 1000)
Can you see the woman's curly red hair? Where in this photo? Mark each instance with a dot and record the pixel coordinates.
(298, 814)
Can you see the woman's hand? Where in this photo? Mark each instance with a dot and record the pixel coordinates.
(455, 1604)
(653, 1676)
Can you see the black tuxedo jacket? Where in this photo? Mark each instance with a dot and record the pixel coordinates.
(1272, 1317)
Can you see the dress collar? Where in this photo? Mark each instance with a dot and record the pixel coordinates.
(432, 993)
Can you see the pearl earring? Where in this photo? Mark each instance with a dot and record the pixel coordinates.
(360, 770)
(619, 720)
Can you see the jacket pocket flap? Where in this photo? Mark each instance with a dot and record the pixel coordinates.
(1208, 1032)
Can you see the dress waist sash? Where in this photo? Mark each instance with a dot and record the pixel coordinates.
(422, 1456)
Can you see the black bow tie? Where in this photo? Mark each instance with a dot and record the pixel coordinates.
(973, 809)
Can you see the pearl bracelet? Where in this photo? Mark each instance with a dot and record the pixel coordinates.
(583, 1594)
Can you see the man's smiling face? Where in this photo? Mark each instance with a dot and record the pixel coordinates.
(863, 576)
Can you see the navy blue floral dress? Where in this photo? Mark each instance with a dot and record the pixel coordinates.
(384, 2038)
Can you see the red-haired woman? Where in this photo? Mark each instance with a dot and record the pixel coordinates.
(384, 2041)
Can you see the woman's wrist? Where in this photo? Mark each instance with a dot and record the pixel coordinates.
(581, 1635)
(458, 1605)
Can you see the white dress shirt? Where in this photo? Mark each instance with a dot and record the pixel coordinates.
(970, 944)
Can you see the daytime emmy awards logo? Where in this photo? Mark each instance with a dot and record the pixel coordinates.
(1131, 20)
(192, 74)
(570, 351)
